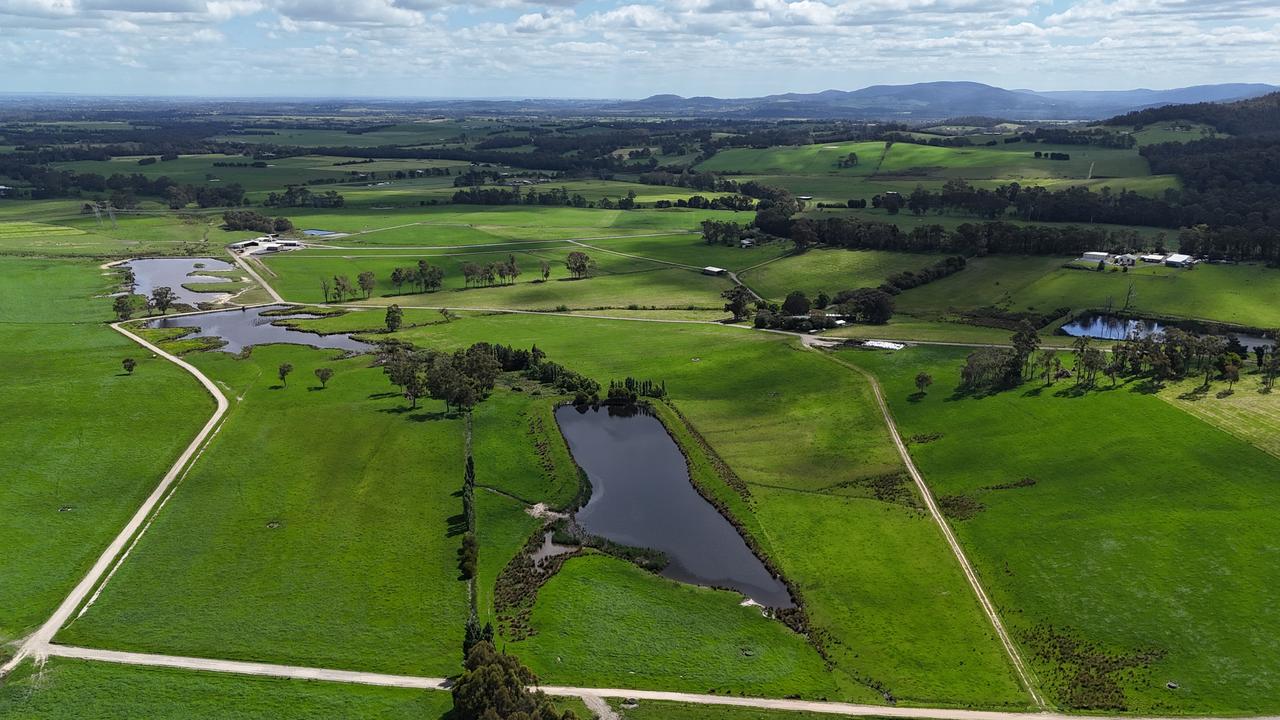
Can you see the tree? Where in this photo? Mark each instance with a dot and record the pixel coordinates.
(796, 303)
(736, 300)
(869, 305)
(123, 306)
(367, 282)
(395, 316)
(398, 278)
(1025, 342)
(342, 287)
(513, 268)
(475, 634)
(545, 268)
(323, 374)
(923, 381)
(283, 372)
(494, 686)
(1048, 364)
(163, 298)
(326, 288)
(1231, 373)
(578, 264)
(129, 364)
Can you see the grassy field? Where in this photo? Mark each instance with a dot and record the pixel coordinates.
(66, 689)
(839, 188)
(909, 160)
(616, 281)
(1242, 294)
(785, 438)
(831, 270)
(642, 631)
(84, 442)
(1112, 537)
(659, 710)
(1247, 413)
(319, 525)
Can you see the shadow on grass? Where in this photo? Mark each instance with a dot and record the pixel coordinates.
(457, 525)
(916, 397)
(383, 395)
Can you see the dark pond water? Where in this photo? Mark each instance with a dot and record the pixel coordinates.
(151, 273)
(243, 328)
(641, 496)
(1110, 327)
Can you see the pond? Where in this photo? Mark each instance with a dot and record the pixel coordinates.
(247, 327)
(641, 495)
(1110, 327)
(151, 273)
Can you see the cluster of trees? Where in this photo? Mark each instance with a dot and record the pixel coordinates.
(692, 179)
(797, 313)
(724, 232)
(726, 202)
(629, 390)
(489, 274)
(256, 221)
(907, 279)
(299, 196)
(340, 287)
(1053, 155)
(1097, 137)
(513, 196)
(495, 686)
(1171, 355)
(424, 276)
(459, 379)
(160, 300)
(1074, 204)
(968, 239)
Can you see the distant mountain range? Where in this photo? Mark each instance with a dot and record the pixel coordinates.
(937, 101)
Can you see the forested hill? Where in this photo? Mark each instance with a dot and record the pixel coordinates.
(1255, 116)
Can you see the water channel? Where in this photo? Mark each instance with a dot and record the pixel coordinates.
(247, 327)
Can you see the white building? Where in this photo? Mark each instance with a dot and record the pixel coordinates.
(713, 270)
(1095, 257)
(1179, 260)
(1152, 258)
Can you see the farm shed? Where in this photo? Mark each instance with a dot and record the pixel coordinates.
(1179, 260)
(713, 270)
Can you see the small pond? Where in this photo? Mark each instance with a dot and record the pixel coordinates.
(151, 273)
(247, 327)
(1110, 327)
(641, 495)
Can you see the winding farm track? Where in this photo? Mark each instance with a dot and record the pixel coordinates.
(37, 644)
(40, 644)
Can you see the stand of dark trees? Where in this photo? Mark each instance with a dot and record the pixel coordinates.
(969, 239)
(250, 220)
(298, 196)
(513, 196)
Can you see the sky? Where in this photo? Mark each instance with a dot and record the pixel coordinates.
(621, 49)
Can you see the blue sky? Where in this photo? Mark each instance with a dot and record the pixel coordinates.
(614, 48)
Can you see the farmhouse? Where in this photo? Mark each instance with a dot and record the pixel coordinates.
(1128, 259)
(1153, 258)
(1179, 260)
(713, 270)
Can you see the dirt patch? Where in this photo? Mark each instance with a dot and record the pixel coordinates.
(890, 487)
(960, 507)
(1019, 483)
(1084, 675)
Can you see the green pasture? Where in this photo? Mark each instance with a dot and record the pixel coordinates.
(840, 188)
(797, 159)
(1245, 411)
(616, 281)
(85, 443)
(603, 622)
(318, 528)
(831, 270)
(806, 433)
(427, 132)
(661, 710)
(66, 689)
(1243, 294)
(1130, 533)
